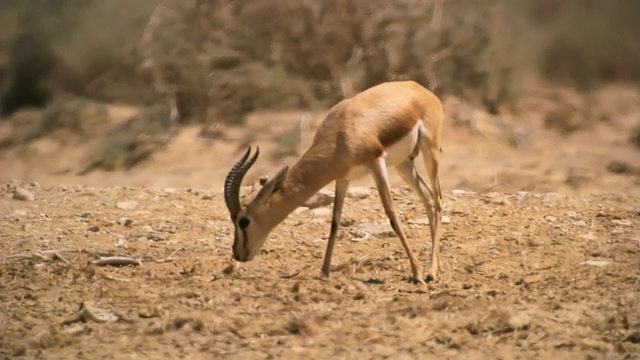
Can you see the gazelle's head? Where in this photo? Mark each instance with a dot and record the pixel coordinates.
(250, 217)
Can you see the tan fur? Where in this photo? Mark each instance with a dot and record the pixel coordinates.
(355, 133)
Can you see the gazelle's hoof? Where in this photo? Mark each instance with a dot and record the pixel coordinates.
(418, 278)
(432, 276)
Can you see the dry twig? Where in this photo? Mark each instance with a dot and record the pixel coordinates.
(116, 261)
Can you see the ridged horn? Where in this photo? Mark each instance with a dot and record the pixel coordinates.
(234, 180)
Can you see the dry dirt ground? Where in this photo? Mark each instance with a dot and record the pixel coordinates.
(527, 276)
(541, 253)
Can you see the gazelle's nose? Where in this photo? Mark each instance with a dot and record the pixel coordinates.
(242, 257)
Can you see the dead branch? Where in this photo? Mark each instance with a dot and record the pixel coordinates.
(57, 256)
(116, 261)
(44, 255)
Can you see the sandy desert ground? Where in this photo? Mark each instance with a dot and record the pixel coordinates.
(542, 254)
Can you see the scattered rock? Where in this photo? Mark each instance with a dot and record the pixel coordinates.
(300, 210)
(533, 241)
(589, 236)
(514, 236)
(125, 221)
(621, 222)
(23, 194)
(358, 192)
(321, 198)
(121, 242)
(550, 218)
(321, 212)
(347, 221)
(519, 321)
(76, 329)
(496, 198)
(127, 205)
(359, 235)
(462, 192)
(571, 214)
(377, 229)
(580, 223)
(92, 313)
(93, 228)
(421, 221)
(19, 212)
(598, 263)
(521, 196)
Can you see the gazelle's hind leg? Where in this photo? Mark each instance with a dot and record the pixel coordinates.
(379, 172)
(431, 156)
(409, 174)
(430, 194)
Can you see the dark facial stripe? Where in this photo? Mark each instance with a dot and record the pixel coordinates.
(245, 239)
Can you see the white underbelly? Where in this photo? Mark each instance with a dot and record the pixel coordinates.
(393, 155)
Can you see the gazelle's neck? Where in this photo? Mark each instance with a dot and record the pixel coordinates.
(306, 177)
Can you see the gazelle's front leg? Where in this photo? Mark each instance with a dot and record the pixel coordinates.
(409, 174)
(338, 202)
(381, 177)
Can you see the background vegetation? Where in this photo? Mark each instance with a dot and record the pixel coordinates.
(235, 56)
(210, 61)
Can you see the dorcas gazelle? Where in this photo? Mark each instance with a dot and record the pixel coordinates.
(387, 125)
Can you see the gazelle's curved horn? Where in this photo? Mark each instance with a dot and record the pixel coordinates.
(234, 180)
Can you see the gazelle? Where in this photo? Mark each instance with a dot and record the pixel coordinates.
(386, 125)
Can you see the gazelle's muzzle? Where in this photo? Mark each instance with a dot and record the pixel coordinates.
(242, 257)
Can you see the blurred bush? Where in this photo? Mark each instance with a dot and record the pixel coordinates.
(216, 60)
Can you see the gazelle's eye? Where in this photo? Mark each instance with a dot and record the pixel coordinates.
(244, 222)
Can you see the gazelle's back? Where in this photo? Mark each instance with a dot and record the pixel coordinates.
(376, 118)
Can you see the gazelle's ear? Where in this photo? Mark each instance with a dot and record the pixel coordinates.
(272, 186)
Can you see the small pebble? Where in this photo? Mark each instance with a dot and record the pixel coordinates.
(321, 198)
(358, 192)
(521, 196)
(571, 214)
(127, 205)
(598, 263)
(323, 211)
(621, 222)
(23, 194)
(125, 221)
